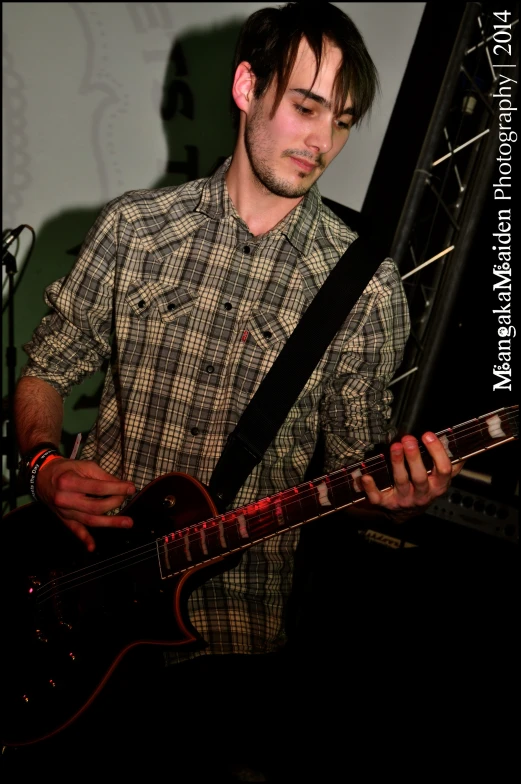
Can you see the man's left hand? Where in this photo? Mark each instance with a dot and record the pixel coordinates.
(413, 491)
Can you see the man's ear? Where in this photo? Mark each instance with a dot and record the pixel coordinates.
(242, 88)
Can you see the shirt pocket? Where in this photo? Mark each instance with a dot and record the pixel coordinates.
(159, 300)
(270, 329)
(267, 333)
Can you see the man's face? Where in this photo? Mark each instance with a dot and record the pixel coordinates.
(289, 153)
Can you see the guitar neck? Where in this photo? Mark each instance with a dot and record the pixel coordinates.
(240, 528)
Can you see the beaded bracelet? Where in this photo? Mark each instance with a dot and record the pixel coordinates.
(41, 459)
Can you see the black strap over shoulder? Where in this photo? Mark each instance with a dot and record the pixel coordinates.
(278, 391)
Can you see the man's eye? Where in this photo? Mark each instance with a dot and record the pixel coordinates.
(302, 109)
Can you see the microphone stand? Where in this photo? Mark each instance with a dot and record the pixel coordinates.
(10, 449)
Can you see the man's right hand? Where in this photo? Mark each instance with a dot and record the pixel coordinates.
(80, 493)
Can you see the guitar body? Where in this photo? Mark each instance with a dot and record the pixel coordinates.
(59, 652)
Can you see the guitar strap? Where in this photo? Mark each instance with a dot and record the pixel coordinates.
(279, 389)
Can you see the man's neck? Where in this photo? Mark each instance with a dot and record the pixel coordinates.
(260, 209)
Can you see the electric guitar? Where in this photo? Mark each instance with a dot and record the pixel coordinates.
(69, 616)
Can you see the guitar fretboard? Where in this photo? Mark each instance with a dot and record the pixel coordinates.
(240, 528)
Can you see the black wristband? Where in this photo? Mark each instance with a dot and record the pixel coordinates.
(24, 466)
(36, 449)
(33, 473)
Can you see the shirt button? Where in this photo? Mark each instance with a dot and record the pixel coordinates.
(246, 249)
(227, 305)
(194, 431)
(267, 335)
(171, 307)
(141, 303)
(210, 368)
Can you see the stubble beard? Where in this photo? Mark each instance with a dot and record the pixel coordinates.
(258, 157)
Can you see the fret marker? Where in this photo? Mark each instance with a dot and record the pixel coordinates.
(243, 531)
(356, 484)
(323, 498)
(279, 515)
(187, 547)
(222, 538)
(494, 427)
(165, 552)
(203, 541)
(445, 441)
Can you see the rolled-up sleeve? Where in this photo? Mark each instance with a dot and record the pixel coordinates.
(72, 342)
(355, 410)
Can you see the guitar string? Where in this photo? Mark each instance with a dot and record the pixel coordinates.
(186, 566)
(232, 521)
(252, 521)
(179, 543)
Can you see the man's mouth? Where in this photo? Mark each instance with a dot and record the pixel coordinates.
(303, 164)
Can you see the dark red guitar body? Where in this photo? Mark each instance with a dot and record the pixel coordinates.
(58, 653)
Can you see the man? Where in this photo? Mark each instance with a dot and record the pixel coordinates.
(200, 286)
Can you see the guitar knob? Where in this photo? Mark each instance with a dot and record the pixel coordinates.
(169, 501)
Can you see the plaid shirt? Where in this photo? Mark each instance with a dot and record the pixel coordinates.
(196, 309)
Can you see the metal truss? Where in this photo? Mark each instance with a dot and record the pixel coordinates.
(447, 194)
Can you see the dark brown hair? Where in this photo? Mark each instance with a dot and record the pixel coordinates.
(269, 41)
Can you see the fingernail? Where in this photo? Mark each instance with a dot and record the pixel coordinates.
(127, 523)
(131, 490)
(429, 437)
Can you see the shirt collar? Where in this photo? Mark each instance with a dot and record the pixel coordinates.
(215, 200)
(299, 226)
